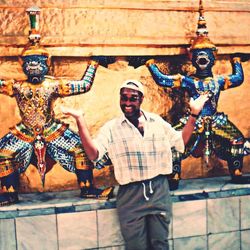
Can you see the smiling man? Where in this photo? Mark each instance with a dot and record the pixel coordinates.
(131, 97)
(139, 145)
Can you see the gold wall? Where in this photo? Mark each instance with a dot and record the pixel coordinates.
(73, 30)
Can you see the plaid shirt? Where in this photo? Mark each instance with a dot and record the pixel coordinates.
(136, 157)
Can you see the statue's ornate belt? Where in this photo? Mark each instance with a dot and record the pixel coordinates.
(49, 134)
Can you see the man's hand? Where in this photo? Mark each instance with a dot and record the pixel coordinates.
(196, 107)
(197, 104)
(77, 114)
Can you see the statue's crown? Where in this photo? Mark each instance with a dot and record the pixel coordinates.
(202, 41)
(33, 47)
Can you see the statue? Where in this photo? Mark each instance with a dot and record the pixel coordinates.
(39, 138)
(214, 133)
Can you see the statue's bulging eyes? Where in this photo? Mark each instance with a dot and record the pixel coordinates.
(35, 58)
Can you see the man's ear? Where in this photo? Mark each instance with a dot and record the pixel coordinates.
(142, 97)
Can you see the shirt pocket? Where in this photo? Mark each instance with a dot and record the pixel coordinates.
(157, 143)
(127, 151)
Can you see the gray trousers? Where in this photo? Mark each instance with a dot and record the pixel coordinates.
(144, 211)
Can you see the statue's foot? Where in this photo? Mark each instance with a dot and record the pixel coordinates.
(173, 181)
(96, 193)
(240, 179)
(8, 198)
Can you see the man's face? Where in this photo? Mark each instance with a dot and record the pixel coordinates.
(35, 66)
(130, 102)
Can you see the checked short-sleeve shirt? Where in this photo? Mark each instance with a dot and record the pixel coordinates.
(136, 157)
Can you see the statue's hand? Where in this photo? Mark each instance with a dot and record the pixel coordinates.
(197, 104)
(243, 56)
(103, 60)
(137, 61)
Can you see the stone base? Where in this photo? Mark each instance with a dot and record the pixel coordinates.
(208, 213)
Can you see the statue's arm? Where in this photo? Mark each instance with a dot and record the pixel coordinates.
(237, 76)
(164, 80)
(6, 87)
(68, 87)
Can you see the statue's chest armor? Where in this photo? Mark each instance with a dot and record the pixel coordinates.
(207, 85)
(34, 102)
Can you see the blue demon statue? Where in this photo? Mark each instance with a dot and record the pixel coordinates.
(39, 138)
(214, 133)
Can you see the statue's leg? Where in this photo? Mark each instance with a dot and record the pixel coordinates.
(84, 172)
(235, 161)
(235, 165)
(67, 150)
(9, 186)
(175, 176)
(15, 156)
(177, 157)
(231, 149)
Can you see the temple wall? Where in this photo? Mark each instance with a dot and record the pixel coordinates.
(114, 27)
(73, 30)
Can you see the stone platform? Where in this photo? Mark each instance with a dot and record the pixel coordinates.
(208, 213)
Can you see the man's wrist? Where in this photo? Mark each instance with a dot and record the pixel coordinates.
(80, 117)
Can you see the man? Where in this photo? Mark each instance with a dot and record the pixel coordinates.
(139, 146)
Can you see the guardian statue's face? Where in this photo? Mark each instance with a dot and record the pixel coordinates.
(203, 59)
(35, 67)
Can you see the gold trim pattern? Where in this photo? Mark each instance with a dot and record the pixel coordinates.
(56, 134)
(6, 167)
(22, 136)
